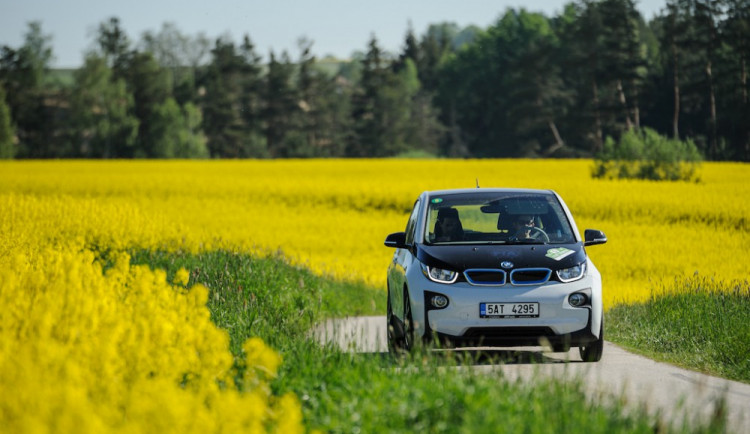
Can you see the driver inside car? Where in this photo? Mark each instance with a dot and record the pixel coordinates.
(448, 226)
(523, 226)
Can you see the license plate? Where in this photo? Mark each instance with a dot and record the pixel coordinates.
(508, 310)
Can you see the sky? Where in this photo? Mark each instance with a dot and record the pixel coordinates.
(336, 27)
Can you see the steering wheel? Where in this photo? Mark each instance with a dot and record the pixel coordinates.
(541, 234)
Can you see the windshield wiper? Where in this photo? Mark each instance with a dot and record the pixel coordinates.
(527, 241)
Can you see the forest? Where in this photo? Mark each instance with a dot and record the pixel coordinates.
(528, 86)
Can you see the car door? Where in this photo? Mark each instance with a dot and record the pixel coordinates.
(402, 258)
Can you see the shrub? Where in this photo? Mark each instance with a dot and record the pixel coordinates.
(645, 154)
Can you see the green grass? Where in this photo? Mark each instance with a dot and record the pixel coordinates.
(698, 323)
(374, 392)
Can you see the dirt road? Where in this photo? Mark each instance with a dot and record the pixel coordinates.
(663, 388)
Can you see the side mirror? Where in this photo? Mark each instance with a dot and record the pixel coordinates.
(592, 237)
(397, 239)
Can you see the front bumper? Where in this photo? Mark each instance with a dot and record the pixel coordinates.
(558, 323)
(514, 337)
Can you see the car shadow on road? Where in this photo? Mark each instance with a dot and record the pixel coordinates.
(485, 357)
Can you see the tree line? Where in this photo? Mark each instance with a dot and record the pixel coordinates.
(527, 86)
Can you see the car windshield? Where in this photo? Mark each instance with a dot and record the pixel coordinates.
(508, 218)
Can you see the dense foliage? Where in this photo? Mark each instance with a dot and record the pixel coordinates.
(528, 85)
(644, 154)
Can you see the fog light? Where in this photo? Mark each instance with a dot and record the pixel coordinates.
(577, 299)
(439, 301)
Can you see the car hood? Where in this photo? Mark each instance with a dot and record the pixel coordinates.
(463, 257)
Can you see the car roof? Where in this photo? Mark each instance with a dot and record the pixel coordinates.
(460, 191)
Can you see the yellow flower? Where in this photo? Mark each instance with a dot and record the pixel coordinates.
(260, 357)
(288, 415)
(182, 277)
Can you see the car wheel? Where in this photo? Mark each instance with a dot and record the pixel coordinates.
(394, 343)
(593, 351)
(408, 323)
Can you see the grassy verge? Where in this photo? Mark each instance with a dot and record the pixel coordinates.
(344, 392)
(699, 323)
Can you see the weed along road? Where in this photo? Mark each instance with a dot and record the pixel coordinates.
(676, 394)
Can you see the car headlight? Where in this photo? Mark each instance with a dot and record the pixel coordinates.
(439, 275)
(572, 273)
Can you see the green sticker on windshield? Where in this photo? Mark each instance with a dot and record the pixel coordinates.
(559, 253)
(436, 200)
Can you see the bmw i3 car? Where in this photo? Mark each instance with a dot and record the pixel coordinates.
(494, 268)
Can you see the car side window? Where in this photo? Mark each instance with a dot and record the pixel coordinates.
(412, 224)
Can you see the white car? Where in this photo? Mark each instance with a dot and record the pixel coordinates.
(494, 267)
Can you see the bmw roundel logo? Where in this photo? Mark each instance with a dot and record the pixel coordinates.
(506, 264)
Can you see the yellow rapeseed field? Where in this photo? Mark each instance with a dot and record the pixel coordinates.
(333, 215)
(76, 341)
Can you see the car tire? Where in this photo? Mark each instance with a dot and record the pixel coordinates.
(408, 324)
(394, 344)
(593, 351)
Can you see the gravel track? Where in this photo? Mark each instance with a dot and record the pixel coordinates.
(677, 394)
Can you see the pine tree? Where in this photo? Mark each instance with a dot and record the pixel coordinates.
(281, 109)
(580, 31)
(367, 110)
(6, 129)
(22, 74)
(251, 102)
(150, 86)
(411, 50)
(673, 28)
(114, 46)
(736, 34)
(322, 121)
(222, 102)
(624, 65)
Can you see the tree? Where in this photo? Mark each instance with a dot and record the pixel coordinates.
(150, 86)
(320, 126)
(281, 109)
(505, 90)
(177, 131)
(251, 100)
(101, 119)
(534, 84)
(192, 143)
(22, 74)
(179, 54)
(370, 111)
(580, 31)
(410, 51)
(622, 60)
(736, 31)
(434, 47)
(422, 128)
(114, 45)
(225, 86)
(674, 26)
(7, 133)
(700, 43)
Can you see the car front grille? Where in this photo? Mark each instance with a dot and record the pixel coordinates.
(530, 276)
(485, 277)
(497, 277)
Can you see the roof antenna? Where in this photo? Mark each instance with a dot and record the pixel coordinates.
(477, 182)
